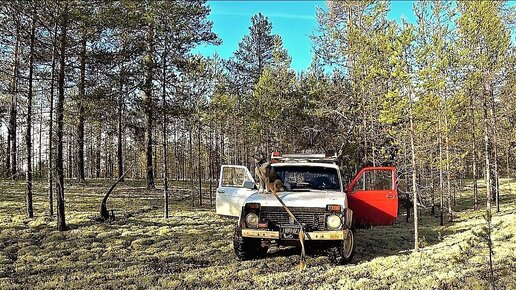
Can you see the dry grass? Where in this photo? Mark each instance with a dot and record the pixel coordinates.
(192, 249)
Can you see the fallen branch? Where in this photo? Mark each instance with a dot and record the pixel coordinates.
(104, 213)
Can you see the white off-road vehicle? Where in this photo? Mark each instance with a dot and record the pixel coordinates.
(315, 194)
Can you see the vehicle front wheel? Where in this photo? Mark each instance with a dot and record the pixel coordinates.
(342, 253)
(247, 248)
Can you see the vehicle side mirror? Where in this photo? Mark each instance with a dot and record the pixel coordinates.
(249, 184)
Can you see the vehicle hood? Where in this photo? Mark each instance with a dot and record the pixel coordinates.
(313, 198)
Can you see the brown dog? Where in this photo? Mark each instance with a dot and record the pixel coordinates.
(269, 179)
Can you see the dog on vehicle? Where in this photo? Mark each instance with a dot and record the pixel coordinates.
(269, 178)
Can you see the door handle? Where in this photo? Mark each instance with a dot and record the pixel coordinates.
(390, 196)
(220, 191)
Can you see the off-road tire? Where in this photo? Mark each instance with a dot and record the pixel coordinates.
(342, 252)
(247, 248)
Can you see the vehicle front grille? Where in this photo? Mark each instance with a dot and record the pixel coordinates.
(312, 218)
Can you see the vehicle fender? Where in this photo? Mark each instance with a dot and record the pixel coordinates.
(349, 218)
(241, 219)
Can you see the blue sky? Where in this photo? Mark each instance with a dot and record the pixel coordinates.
(295, 21)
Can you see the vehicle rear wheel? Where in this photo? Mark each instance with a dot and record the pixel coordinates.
(342, 253)
(247, 248)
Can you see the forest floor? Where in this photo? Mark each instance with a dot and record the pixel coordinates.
(193, 248)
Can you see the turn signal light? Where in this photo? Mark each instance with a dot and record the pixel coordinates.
(333, 207)
(252, 206)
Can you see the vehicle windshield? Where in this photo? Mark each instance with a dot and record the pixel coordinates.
(308, 177)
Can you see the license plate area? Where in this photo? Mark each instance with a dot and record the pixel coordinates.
(289, 232)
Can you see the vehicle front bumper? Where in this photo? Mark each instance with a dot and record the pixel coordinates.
(311, 236)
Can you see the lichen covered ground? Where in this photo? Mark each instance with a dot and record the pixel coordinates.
(193, 248)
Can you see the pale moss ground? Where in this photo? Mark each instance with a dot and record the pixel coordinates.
(192, 249)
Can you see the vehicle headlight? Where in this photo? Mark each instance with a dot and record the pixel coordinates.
(251, 219)
(333, 222)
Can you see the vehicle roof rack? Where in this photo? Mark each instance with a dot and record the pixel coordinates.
(322, 158)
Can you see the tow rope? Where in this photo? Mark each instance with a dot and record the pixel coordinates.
(302, 262)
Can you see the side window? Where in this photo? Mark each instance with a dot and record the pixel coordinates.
(374, 180)
(233, 177)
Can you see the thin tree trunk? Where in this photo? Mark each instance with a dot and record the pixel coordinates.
(210, 162)
(147, 88)
(155, 155)
(119, 151)
(50, 129)
(507, 160)
(495, 150)
(8, 153)
(61, 223)
(14, 108)
(414, 179)
(489, 189)
(91, 158)
(407, 196)
(97, 153)
(448, 177)
(432, 187)
(474, 151)
(28, 133)
(176, 156)
(487, 152)
(40, 136)
(441, 179)
(165, 152)
(80, 127)
(191, 165)
(70, 156)
(199, 171)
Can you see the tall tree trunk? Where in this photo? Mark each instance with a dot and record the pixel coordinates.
(61, 223)
(487, 147)
(119, 151)
(165, 121)
(80, 127)
(432, 184)
(14, 107)
(507, 161)
(199, 171)
(441, 178)
(210, 162)
(191, 164)
(50, 129)
(448, 169)
(474, 151)
(70, 155)
(147, 88)
(407, 196)
(40, 136)
(97, 152)
(496, 185)
(414, 179)
(28, 132)
(155, 155)
(8, 153)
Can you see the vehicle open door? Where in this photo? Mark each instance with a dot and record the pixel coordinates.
(235, 185)
(373, 197)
